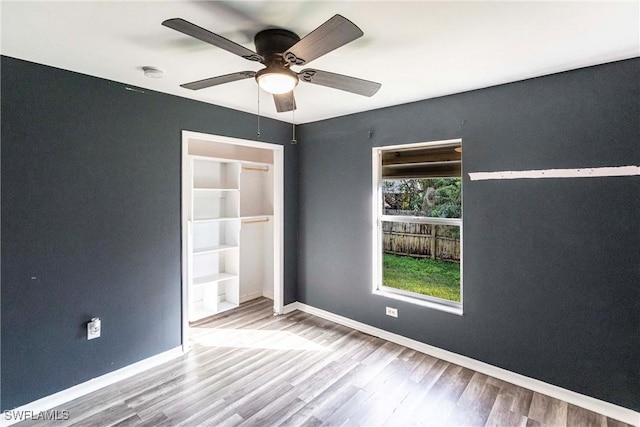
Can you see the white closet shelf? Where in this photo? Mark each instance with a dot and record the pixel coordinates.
(214, 190)
(256, 167)
(226, 305)
(218, 219)
(212, 249)
(213, 278)
(251, 218)
(212, 159)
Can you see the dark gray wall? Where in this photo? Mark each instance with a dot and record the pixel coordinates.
(551, 267)
(91, 222)
(91, 209)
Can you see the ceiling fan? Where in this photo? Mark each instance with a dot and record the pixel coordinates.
(279, 49)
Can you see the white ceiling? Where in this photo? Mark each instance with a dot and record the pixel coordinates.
(417, 50)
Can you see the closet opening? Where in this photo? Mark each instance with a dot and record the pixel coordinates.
(232, 225)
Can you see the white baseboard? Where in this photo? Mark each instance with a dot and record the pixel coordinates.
(605, 408)
(292, 307)
(67, 395)
(254, 295)
(249, 297)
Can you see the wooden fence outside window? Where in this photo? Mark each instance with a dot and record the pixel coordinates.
(420, 240)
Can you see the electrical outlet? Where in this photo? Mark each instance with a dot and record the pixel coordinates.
(393, 312)
(93, 328)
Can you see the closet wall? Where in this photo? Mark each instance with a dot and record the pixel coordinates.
(256, 231)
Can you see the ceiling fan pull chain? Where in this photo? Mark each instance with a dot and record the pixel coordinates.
(258, 111)
(293, 140)
(293, 122)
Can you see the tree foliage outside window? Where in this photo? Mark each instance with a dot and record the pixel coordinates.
(432, 197)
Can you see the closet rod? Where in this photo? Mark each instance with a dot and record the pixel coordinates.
(251, 221)
(256, 168)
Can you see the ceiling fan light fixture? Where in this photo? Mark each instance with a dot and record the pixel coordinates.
(277, 80)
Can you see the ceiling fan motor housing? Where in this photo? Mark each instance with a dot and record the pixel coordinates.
(272, 43)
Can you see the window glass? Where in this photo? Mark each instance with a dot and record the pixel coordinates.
(420, 222)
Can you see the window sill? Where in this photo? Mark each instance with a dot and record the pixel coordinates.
(424, 303)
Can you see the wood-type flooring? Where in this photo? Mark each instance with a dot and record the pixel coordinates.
(248, 367)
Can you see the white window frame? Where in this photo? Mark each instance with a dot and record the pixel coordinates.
(378, 218)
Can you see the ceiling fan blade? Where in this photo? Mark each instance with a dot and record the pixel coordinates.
(339, 81)
(334, 33)
(200, 33)
(285, 102)
(214, 81)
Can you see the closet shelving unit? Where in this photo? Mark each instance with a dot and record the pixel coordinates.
(230, 234)
(214, 227)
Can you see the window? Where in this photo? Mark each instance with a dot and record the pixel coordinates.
(418, 223)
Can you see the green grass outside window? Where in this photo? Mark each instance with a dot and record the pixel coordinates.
(432, 277)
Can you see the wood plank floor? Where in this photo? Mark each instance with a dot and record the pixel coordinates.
(248, 367)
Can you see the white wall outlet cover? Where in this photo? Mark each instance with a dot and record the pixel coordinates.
(94, 327)
(393, 312)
